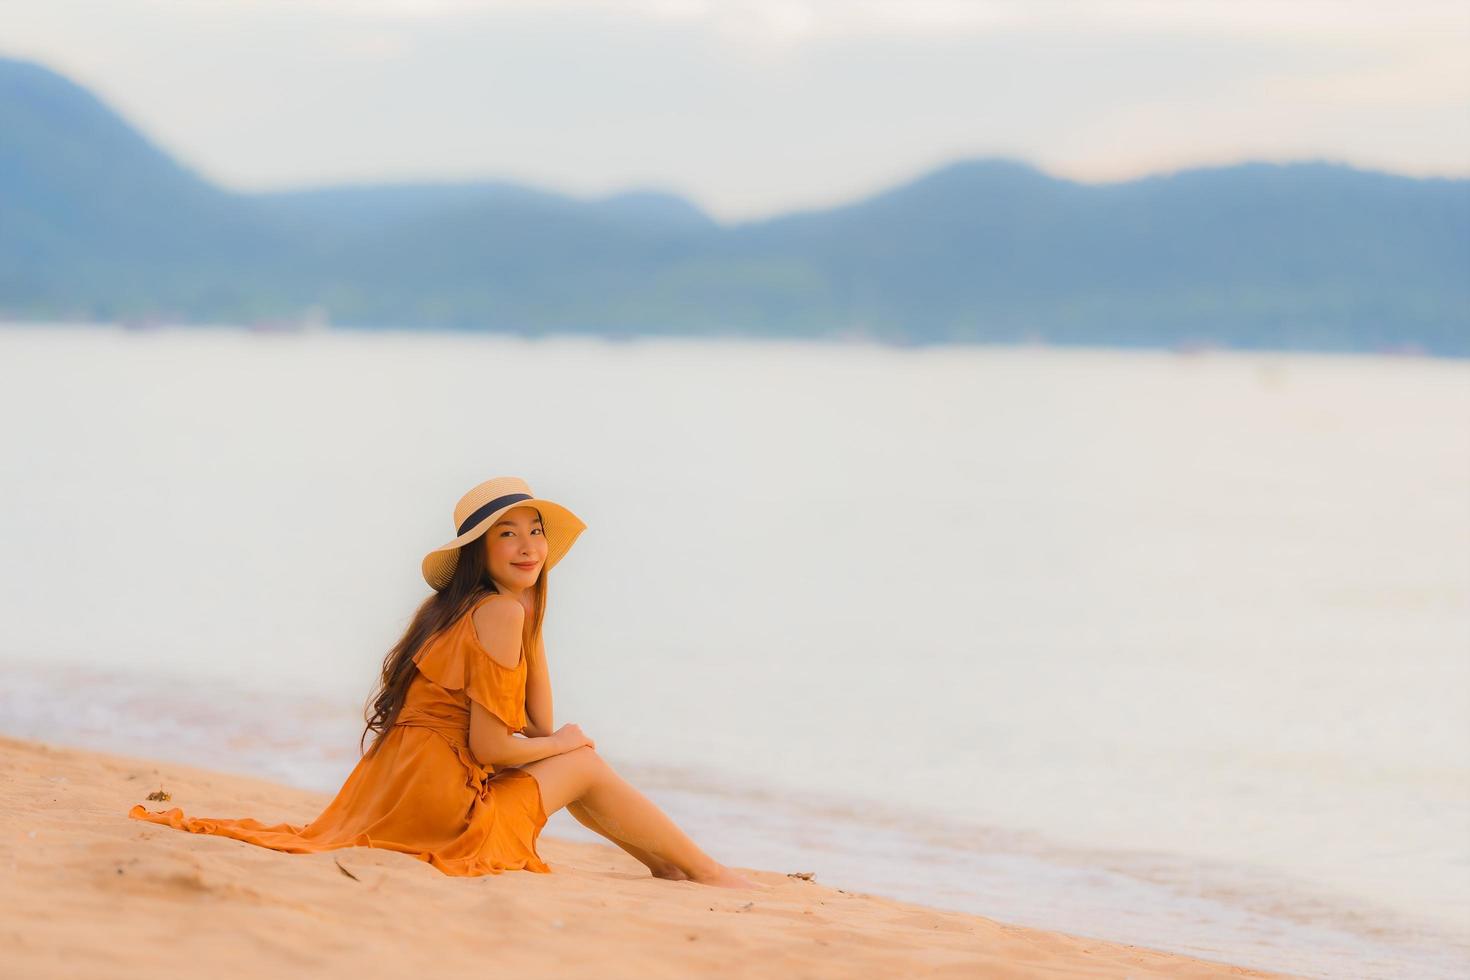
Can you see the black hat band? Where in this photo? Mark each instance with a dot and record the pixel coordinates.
(486, 510)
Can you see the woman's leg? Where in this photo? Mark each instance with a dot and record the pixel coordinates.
(583, 776)
(657, 866)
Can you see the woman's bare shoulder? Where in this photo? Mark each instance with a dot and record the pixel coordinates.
(498, 621)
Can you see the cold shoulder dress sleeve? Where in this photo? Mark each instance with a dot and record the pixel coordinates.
(468, 667)
(421, 791)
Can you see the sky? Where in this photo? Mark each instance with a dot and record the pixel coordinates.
(756, 107)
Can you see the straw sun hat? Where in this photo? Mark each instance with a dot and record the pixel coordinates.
(486, 504)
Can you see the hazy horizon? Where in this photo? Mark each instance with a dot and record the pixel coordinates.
(750, 109)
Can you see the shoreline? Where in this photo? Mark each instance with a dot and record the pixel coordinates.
(150, 898)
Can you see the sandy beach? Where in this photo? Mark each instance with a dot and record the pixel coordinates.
(89, 892)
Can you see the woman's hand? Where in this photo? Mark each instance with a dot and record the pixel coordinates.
(570, 736)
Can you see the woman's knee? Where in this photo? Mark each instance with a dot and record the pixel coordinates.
(587, 759)
(567, 777)
(591, 767)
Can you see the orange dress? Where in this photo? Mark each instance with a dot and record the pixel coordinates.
(422, 792)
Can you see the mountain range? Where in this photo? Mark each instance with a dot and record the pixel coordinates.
(99, 223)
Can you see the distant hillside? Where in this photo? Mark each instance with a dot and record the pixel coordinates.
(98, 223)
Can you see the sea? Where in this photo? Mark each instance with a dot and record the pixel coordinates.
(1163, 647)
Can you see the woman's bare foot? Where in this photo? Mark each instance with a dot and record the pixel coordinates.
(669, 872)
(723, 877)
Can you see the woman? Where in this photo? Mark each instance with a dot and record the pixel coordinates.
(446, 778)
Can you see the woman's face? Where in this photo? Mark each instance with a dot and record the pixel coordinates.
(515, 548)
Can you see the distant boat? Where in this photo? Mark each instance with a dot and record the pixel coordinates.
(313, 320)
(1407, 348)
(855, 334)
(1194, 345)
(273, 326)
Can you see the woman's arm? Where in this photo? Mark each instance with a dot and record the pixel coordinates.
(538, 694)
(492, 745)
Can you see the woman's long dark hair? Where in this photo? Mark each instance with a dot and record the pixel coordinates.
(471, 582)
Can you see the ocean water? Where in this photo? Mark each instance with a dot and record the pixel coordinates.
(1168, 649)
